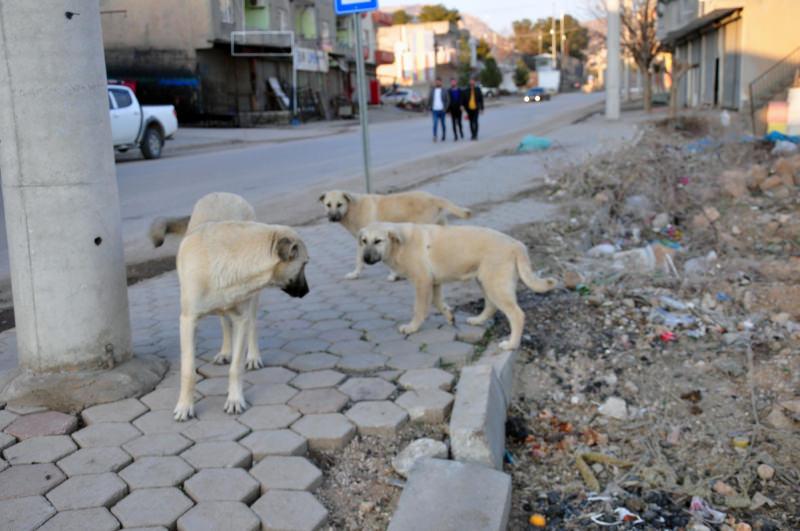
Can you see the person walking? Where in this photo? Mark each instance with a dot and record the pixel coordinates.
(472, 100)
(455, 109)
(438, 102)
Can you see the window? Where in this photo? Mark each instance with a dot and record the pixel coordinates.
(110, 102)
(122, 97)
(283, 20)
(325, 31)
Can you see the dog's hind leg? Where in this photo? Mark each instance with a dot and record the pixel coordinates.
(505, 298)
(253, 353)
(355, 273)
(224, 355)
(422, 301)
(240, 317)
(488, 312)
(441, 305)
(185, 407)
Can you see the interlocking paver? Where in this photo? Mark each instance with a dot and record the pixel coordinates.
(165, 398)
(6, 440)
(216, 430)
(157, 444)
(39, 450)
(222, 484)
(25, 513)
(105, 434)
(87, 491)
(286, 473)
(24, 410)
(373, 324)
(151, 508)
(274, 442)
(321, 315)
(122, 411)
(313, 362)
(313, 401)
(318, 379)
(426, 379)
(216, 386)
(149, 472)
(346, 334)
(352, 346)
(381, 418)
(433, 336)
(214, 515)
(453, 353)
(41, 424)
(362, 363)
(300, 346)
(161, 421)
(29, 480)
(280, 510)
(213, 370)
(269, 394)
(331, 324)
(6, 418)
(359, 389)
(397, 347)
(413, 361)
(276, 358)
(469, 333)
(221, 454)
(94, 461)
(94, 519)
(211, 408)
(269, 375)
(384, 335)
(331, 431)
(426, 405)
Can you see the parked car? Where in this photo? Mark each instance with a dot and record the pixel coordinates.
(139, 126)
(536, 94)
(403, 97)
(490, 92)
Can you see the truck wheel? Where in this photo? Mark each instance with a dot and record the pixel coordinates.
(152, 143)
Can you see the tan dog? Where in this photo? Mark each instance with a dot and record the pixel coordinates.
(431, 255)
(221, 266)
(217, 206)
(356, 211)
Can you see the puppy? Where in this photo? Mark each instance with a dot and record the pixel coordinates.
(221, 266)
(431, 255)
(356, 211)
(217, 206)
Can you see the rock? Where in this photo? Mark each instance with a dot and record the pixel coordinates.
(699, 527)
(757, 175)
(699, 266)
(759, 500)
(711, 213)
(660, 221)
(742, 526)
(720, 487)
(601, 198)
(572, 279)
(778, 420)
(770, 183)
(780, 318)
(700, 221)
(614, 407)
(791, 405)
(419, 449)
(729, 366)
(765, 472)
(604, 249)
(639, 206)
(782, 192)
(734, 183)
(737, 501)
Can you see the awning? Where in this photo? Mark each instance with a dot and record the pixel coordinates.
(699, 26)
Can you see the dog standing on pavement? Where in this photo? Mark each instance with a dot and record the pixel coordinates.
(356, 211)
(431, 255)
(222, 265)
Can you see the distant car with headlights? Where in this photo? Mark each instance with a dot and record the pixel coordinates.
(536, 94)
(403, 97)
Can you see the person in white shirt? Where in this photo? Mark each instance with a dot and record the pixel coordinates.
(438, 103)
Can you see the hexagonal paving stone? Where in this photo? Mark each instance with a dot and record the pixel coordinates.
(152, 508)
(6, 440)
(300, 346)
(283, 509)
(313, 401)
(331, 431)
(24, 410)
(362, 363)
(321, 315)
(426, 405)
(42, 424)
(372, 324)
(384, 335)
(211, 408)
(427, 379)
(149, 472)
(318, 379)
(222, 454)
(397, 347)
(433, 336)
(470, 334)
(274, 442)
(6, 418)
(39, 450)
(161, 398)
(222, 484)
(269, 394)
(25, 513)
(29, 480)
(105, 434)
(331, 324)
(353, 346)
(359, 389)
(339, 335)
(216, 430)
(217, 386)
(213, 515)
(94, 461)
(276, 358)
(313, 362)
(161, 421)
(157, 444)
(453, 353)
(212, 370)
(122, 411)
(269, 417)
(286, 473)
(413, 361)
(94, 519)
(377, 418)
(269, 375)
(87, 491)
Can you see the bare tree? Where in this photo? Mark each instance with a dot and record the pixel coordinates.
(638, 19)
(676, 73)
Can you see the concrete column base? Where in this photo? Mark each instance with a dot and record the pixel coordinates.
(74, 391)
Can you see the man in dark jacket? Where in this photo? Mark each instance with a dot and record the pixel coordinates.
(472, 100)
(455, 109)
(438, 103)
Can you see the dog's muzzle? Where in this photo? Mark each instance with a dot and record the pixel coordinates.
(371, 257)
(297, 287)
(334, 216)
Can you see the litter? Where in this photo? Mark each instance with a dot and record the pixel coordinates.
(672, 303)
(699, 146)
(623, 516)
(533, 143)
(699, 508)
(784, 147)
(671, 319)
(603, 249)
(776, 137)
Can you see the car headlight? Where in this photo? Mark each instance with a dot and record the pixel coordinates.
(537, 98)
(527, 99)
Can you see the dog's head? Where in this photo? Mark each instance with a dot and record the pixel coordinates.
(376, 240)
(289, 273)
(336, 203)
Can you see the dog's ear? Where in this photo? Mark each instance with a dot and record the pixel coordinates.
(287, 249)
(322, 197)
(348, 197)
(396, 237)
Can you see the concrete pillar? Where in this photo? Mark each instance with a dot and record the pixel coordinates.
(60, 188)
(613, 69)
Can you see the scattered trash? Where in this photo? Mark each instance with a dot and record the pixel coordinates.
(784, 147)
(740, 441)
(765, 472)
(508, 458)
(776, 137)
(538, 520)
(723, 297)
(699, 146)
(583, 289)
(700, 509)
(614, 407)
(623, 516)
(586, 473)
(604, 249)
(667, 336)
(533, 143)
(654, 257)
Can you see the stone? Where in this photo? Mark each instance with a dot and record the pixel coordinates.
(286, 473)
(614, 407)
(105, 434)
(222, 484)
(711, 213)
(315, 401)
(381, 418)
(734, 183)
(318, 379)
(502, 361)
(361, 363)
(776, 419)
(350, 347)
(87, 491)
(274, 442)
(282, 510)
(29, 480)
(455, 353)
(313, 362)
(397, 347)
(757, 175)
(270, 394)
(6, 418)
(220, 454)
(94, 461)
(470, 333)
(330, 431)
(39, 450)
(269, 417)
(764, 471)
(214, 515)
(157, 444)
(94, 519)
(443, 495)
(41, 424)
(770, 182)
(216, 386)
(122, 411)
(25, 513)
(164, 398)
(426, 379)
(433, 336)
(720, 487)
(572, 279)
(477, 423)
(426, 405)
(216, 430)
(416, 450)
(269, 375)
(149, 472)
(151, 508)
(420, 360)
(359, 389)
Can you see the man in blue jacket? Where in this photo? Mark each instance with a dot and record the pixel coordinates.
(438, 103)
(455, 109)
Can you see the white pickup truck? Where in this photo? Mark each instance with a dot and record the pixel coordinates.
(143, 126)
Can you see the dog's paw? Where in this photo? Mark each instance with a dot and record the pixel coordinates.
(508, 345)
(235, 405)
(184, 412)
(222, 358)
(352, 275)
(448, 315)
(407, 329)
(251, 364)
(393, 277)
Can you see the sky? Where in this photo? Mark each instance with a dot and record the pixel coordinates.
(500, 13)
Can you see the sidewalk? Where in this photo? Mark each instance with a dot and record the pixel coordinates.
(336, 366)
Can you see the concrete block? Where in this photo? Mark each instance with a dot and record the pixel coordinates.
(164, 398)
(222, 484)
(149, 472)
(381, 418)
(350, 347)
(426, 379)
(6, 440)
(6, 418)
(318, 379)
(214, 515)
(416, 450)
(269, 417)
(451, 495)
(362, 362)
(281, 510)
(151, 508)
(39, 450)
(29, 480)
(300, 346)
(469, 333)
(477, 424)
(315, 401)
(94, 519)
(41, 424)
(453, 353)
(25, 514)
(157, 444)
(270, 394)
(274, 442)
(419, 360)
(286, 473)
(426, 405)
(95, 461)
(331, 431)
(122, 411)
(359, 389)
(85, 492)
(269, 375)
(313, 362)
(502, 361)
(221, 454)
(215, 430)
(397, 347)
(105, 434)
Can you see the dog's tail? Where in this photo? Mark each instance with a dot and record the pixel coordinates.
(459, 212)
(163, 226)
(537, 284)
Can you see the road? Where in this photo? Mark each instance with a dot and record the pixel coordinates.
(265, 173)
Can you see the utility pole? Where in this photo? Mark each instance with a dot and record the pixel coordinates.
(613, 59)
(361, 86)
(563, 40)
(553, 38)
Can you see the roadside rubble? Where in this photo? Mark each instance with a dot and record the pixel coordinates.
(670, 359)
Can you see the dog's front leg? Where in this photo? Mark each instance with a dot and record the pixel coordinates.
(185, 407)
(224, 354)
(422, 302)
(441, 305)
(354, 274)
(253, 353)
(241, 319)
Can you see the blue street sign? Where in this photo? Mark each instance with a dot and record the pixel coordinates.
(347, 7)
